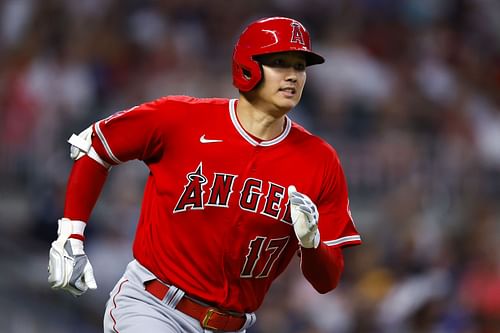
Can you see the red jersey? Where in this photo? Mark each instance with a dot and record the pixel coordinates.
(215, 217)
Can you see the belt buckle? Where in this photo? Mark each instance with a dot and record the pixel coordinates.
(208, 316)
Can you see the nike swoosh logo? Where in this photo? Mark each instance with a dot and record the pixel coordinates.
(205, 140)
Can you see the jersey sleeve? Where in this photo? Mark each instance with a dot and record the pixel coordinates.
(335, 220)
(136, 133)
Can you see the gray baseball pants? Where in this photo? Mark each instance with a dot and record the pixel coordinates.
(132, 309)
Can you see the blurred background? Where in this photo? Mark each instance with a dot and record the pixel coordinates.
(409, 97)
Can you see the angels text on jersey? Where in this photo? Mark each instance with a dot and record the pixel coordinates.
(200, 192)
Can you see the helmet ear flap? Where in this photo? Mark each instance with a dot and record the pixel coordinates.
(246, 73)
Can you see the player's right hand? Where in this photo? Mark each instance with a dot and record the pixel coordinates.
(69, 267)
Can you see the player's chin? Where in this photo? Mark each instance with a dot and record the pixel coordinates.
(288, 102)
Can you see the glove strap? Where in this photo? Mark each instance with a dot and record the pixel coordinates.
(71, 229)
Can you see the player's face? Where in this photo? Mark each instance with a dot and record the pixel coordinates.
(284, 77)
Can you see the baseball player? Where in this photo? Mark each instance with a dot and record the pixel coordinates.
(235, 190)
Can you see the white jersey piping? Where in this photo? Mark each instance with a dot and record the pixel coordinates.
(346, 239)
(105, 144)
(248, 137)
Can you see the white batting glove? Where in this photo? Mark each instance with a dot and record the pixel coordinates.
(305, 217)
(69, 267)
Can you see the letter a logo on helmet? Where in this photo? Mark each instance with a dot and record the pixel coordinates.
(266, 36)
(296, 34)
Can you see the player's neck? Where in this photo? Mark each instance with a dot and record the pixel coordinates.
(257, 122)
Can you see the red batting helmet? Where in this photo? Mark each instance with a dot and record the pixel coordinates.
(269, 35)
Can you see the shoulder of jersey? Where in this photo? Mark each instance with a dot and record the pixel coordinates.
(189, 100)
(310, 140)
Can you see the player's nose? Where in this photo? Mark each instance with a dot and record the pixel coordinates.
(291, 76)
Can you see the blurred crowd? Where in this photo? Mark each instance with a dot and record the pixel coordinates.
(409, 96)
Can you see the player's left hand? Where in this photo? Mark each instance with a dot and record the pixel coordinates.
(305, 217)
(69, 267)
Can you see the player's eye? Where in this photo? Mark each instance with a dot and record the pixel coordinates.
(284, 61)
(300, 66)
(277, 62)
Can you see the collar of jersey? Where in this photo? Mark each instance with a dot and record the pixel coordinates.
(248, 137)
